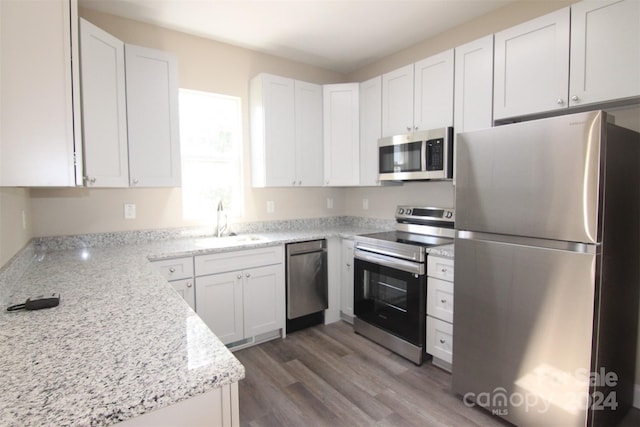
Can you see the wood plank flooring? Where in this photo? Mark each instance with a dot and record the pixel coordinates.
(329, 376)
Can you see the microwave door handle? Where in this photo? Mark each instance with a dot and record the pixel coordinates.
(425, 157)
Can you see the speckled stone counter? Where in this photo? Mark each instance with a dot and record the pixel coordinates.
(122, 342)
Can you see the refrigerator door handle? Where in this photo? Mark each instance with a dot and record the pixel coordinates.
(583, 248)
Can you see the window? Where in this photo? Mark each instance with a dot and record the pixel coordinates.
(211, 145)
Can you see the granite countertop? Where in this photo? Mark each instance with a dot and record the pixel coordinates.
(122, 342)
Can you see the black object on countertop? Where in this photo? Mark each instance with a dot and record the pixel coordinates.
(37, 303)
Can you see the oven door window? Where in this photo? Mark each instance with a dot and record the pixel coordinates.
(391, 299)
(401, 158)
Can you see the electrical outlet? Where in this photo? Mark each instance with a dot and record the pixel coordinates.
(271, 206)
(365, 204)
(329, 203)
(129, 211)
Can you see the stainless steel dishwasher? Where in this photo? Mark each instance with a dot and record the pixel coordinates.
(307, 289)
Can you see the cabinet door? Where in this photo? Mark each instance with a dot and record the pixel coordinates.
(346, 278)
(152, 117)
(186, 290)
(397, 101)
(341, 134)
(104, 108)
(36, 85)
(219, 304)
(440, 299)
(605, 51)
(264, 300)
(272, 131)
(308, 128)
(370, 129)
(433, 92)
(473, 85)
(532, 66)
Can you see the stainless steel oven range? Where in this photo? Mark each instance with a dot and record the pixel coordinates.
(390, 279)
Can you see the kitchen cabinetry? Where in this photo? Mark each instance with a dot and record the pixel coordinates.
(473, 85)
(532, 66)
(605, 51)
(341, 134)
(440, 310)
(433, 92)
(397, 101)
(418, 96)
(152, 117)
(39, 115)
(241, 294)
(286, 132)
(179, 273)
(104, 108)
(346, 281)
(370, 129)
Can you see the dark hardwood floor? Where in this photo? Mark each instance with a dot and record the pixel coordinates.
(329, 376)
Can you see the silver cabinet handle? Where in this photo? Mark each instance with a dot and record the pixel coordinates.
(444, 270)
(443, 301)
(415, 128)
(189, 285)
(575, 98)
(560, 101)
(247, 275)
(239, 276)
(293, 183)
(299, 182)
(172, 270)
(90, 181)
(408, 128)
(442, 341)
(135, 181)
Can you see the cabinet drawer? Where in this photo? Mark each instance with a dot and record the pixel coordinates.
(440, 299)
(440, 268)
(238, 260)
(175, 269)
(440, 339)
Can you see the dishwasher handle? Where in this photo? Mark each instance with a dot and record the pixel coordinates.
(306, 247)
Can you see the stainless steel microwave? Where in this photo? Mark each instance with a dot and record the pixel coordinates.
(421, 155)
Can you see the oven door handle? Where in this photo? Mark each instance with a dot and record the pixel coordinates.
(378, 250)
(398, 264)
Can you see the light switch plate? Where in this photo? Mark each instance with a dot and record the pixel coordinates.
(271, 206)
(365, 204)
(329, 203)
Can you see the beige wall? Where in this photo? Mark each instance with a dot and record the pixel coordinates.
(13, 235)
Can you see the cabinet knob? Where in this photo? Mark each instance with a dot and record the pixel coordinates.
(408, 128)
(189, 285)
(293, 183)
(575, 98)
(239, 276)
(247, 275)
(172, 270)
(442, 341)
(443, 301)
(327, 182)
(415, 128)
(299, 182)
(560, 101)
(90, 181)
(444, 270)
(135, 181)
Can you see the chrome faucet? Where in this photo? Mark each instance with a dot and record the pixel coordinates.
(220, 228)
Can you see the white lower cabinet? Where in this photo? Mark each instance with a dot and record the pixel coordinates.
(179, 272)
(346, 281)
(240, 295)
(440, 310)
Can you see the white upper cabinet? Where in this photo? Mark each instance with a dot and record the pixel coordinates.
(605, 51)
(341, 134)
(286, 132)
(532, 66)
(370, 129)
(433, 92)
(272, 100)
(473, 85)
(308, 129)
(152, 117)
(38, 111)
(104, 108)
(397, 101)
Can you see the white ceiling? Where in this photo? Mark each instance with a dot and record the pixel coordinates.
(338, 35)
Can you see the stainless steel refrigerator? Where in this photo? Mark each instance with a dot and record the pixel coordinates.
(547, 258)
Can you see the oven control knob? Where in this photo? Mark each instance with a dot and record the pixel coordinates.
(408, 211)
(448, 214)
(400, 211)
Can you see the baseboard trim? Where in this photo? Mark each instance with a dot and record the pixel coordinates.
(636, 396)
